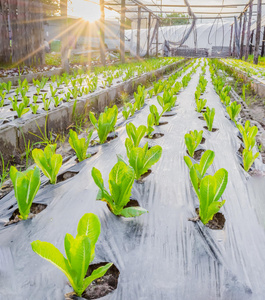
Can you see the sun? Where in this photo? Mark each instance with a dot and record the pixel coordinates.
(85, 10)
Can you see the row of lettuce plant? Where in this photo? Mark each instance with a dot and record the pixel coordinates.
(233, 109)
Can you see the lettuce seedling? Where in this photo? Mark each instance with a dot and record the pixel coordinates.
(208, 117)
(48, 161)
(26, 185)
(233, 110)
(157, 116)
(210, 191)
(105, 123)
(202, 167)
(158, 87)
(135, 134)
(20, 109)
(166, 99)
(193, 140)
(150, 125)
(200, 104)
(80, 252)
(248, 158)
(248, 134)
(121, 180)
(128, 110)
(34, 108)
(139, 97)
(80, 145)
(142, 159)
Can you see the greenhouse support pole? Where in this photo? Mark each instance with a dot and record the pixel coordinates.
(243, 36)
(102, 32)
(138, 32)
(231, 38)
(122, 35)
(251, 43)
(263, 42)
(148, 35)
(64, 39)
(249, 31)
(256, 53)
(157, 30)
(234, 42)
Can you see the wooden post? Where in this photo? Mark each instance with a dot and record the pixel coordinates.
(64, 37)
(251, 43)
(243, 36)
(263, 43)
(234, 42)
(102, 33)
(122, 35)
(249, 31)
(157, 30)
(138, 32)
(256, 53)
(231, 38)
(148, 35)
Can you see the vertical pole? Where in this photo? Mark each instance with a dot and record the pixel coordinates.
(122, 35)
(243, 36)
(256, 53)
(102, 32)
(234, 42)
(251, 43)
(148, 35)
(138, 32)
(263, 43)
(157, 30)
(64, 38)
(231, 38)
(249, 30)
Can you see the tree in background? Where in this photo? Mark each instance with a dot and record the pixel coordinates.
(169, 21)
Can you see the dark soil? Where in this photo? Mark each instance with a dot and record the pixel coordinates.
(213, 129)
(197, 154)
(131, 203)
(169, 114)
(155, 136)
(101, 286)
(217, 223)
(66, 175)
(201, 118)
(35, 209)
(162, 123)
(141, 180)
(240, 150)
(203, 141)
(111, 137)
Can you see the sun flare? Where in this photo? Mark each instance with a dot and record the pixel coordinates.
(85, 10)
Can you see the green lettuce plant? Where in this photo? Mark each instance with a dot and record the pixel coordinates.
(233, 110)
(139, 97)
(150, 125)
(48, 161)
(142, 159)
(121, 180)
(200, 104)
(80, 252)
(193, 140)
(209, 193)
(202, 167)
(20, 109)
(248, 158)
(105, 123)
(208, 117)
(80, 145)
(167, 101)
(157, 116)
(248, 134)
(34, 108)
(128, 110)
(135, 134)
(26, 185)
(158, 87)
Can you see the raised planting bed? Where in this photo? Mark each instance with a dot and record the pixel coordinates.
(160, 254)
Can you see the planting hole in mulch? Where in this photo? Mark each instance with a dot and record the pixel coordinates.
(197, 154)
(213, 129)
(170, 114)
(44, 91)
(201, 118)
(162, 123)
(240, 150)
(203, 141)
(110, 137)
(66, 175)
(101, 286)
(35, 209)
(146, 174)
(131, 203)
(155, 136)
(217, 223)
(92, 154)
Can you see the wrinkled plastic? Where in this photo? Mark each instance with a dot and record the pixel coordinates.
(160, 255)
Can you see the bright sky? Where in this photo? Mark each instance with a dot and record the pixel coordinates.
(87, 10)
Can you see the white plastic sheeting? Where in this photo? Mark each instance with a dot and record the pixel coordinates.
(208, 35)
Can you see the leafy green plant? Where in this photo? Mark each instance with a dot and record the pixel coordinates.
(202, 167)
(20, 109)
(139, 97)
(167, 101)
(193, 140)
(150, 125)
(80, 252)
(210, 191)
(248, 158)
(53, 91)
(105, 123)
(248, 134)
(121, 180)
(34, 108)
(156, 115)
(233, 110)
(200, 104)
(158, 87)
(26, 185)
(57, 101)
(141, 159)
(80, 145)
(48, 161)
(4, 172)
(208, 117)
(135, 134)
